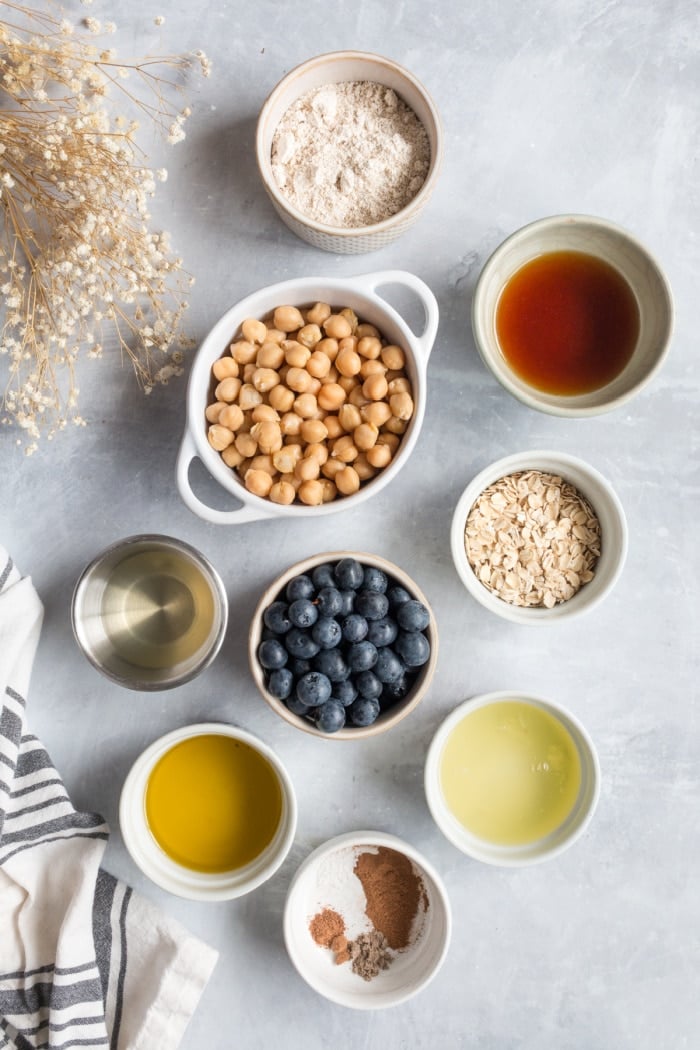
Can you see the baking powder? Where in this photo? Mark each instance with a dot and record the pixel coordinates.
(350, 154)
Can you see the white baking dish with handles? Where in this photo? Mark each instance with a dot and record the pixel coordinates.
(364, 295)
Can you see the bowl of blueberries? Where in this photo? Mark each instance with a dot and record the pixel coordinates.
(343, 645)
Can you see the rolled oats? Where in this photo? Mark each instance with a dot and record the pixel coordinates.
(532, 539)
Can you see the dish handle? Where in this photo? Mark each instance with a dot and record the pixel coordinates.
(372, 282)
(188, 451)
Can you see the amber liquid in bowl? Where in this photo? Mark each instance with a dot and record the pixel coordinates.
(567, 323)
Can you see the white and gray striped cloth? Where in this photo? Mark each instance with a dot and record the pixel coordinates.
(84, 961)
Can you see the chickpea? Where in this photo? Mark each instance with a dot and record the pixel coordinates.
(329, 490)
(264, 379)
(264, 413)
(393, 356)
(348, 383)
(369, 346)
(287, 458)
(349, 416)
(311, 493)
(379, 456)
(307, 469)
(249, 371)
(313, 431)
(348, 343)
(227, 389)
(365, 330)
(232, 457)
(306, 406)
(400, 386)
(376, 412)
(290, 424)
(375, 387)
(254, 331)
(332, 375)
(263, 462)
(249, 397)
(396, 425)
(331, 396)
(299, 380)
(348, 362)
(224, 368)
(332, 467)
(295, 354)
(318, 313)
(246, 445)
(337, 326)
(387, 438)
(283, 493)
(365, 436)
(309, 335)
(372, 368)
(270, 355)
(243, 352)
(258, 482)
(213, 411)
(268, 436)
(275, 335)
(364, 468)
(293, 480)
(334, 427)
(347, 481)
(401, 405)
(287, 318)
(231, 417)
(344, 449)
(329, 347)
(316, 451)
(357, 397)
(350, 316)
(281, 398)
(318, 365)
(219, 437)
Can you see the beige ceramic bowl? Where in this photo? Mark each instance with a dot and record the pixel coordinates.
(334, 68)
(392, 715)
(592, 236)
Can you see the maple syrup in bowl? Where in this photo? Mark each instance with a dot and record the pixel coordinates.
(572, 315)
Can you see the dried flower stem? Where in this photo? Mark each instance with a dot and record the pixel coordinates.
(79, 265)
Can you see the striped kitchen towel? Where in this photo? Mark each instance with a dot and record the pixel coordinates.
(84, 961)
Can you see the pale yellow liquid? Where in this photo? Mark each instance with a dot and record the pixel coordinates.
(213, 803)
(510, 773)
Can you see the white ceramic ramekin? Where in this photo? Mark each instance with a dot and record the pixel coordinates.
(363, 295)
(602, 498)
(332, 69)
(531, 853)
(314, 887)
(612, 244)
(166, 873)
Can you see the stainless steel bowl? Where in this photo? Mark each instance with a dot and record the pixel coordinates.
(149, 612)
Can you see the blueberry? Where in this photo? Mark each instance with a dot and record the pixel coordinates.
(368, 685)
(272, 654)
(388, 667)
(354, 628)
(413, 648)
(345, 692)
(331, 663)
(303, 613)
(375, 579)
(348, 598)
(395, 691)
(330, 717)
(322, 576)
(280, 683)
(329, 601)
(371, 604)
(382, 632)
(296, 706)
(397, 596)
(349, 574)
(326, 631)
(299, 643)
(361, 656)
(313, 689)
(266, 634)
(275, 617)
(299, 587)
(413, 616)
(364, 712)
(298, 667)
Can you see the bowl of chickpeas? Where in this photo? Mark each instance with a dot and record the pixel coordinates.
(307, 397)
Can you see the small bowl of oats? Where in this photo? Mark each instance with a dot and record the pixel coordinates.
(538, 537)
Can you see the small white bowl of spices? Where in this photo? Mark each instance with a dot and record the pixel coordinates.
(349, 148)
(538, 537)
(367, 920)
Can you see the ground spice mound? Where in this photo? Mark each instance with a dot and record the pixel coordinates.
(370, 954)
(394, 892)
(326, 927)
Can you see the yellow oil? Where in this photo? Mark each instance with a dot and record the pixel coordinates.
(213, 803)
(510, 772)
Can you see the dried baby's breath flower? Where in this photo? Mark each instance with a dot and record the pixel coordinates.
(81, 270)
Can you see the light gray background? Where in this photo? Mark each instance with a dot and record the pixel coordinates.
(550, 107)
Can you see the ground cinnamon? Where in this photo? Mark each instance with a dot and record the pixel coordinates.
(394, 891)
(326, 926)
